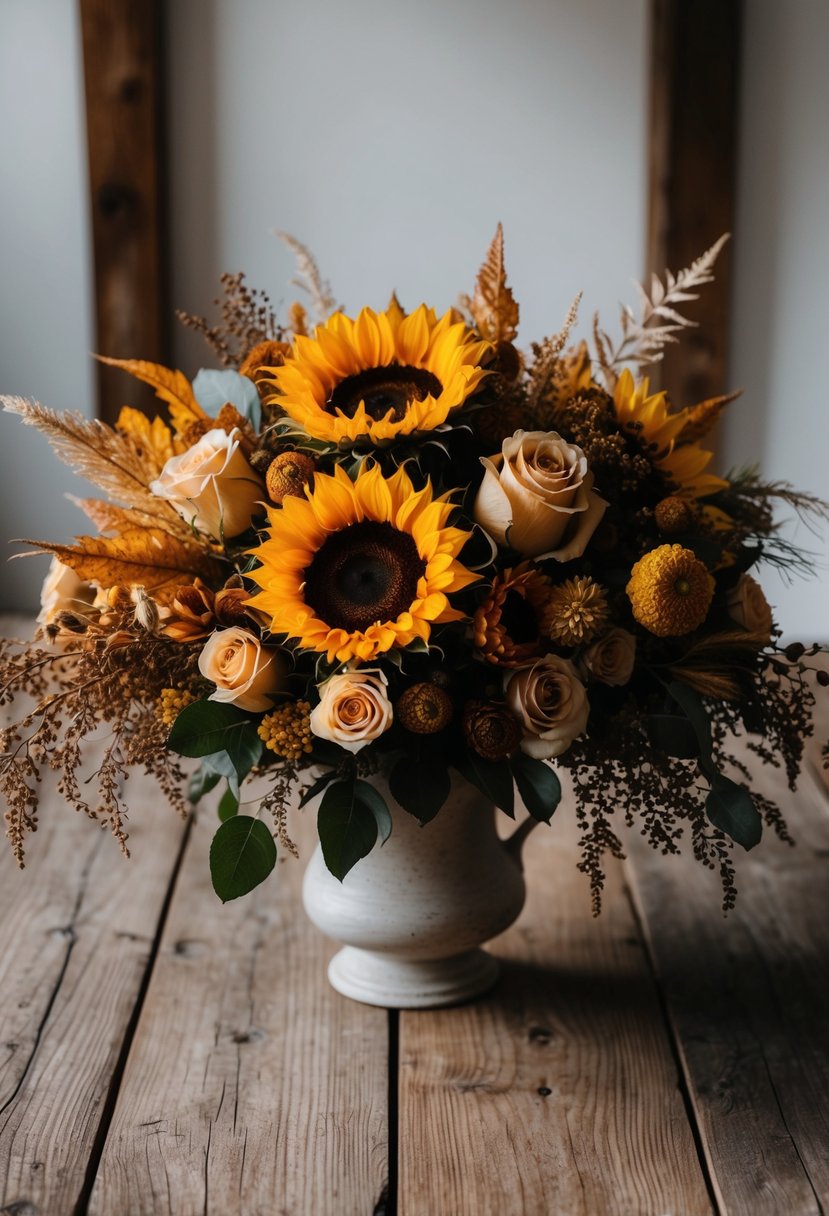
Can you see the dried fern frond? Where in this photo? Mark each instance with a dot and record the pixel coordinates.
(247, 318)
(546, 356)
(308, 277)
(493, 307)
(644, 338)
(108, 459)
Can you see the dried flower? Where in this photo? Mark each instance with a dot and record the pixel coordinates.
(288, 474)
(171, 702)
(576, 611)
(670, 591)
(490, 729)
(673, 515)
(287, 731)
(424, 709)
(507, 626)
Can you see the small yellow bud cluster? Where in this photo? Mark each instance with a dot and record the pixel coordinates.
(171, 702)
(287, 730)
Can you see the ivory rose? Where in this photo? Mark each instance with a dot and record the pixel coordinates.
(245, 672)
(211, 485)
(610, 659)
(748, 606)
(62, 591)
(354, 708)
(537, 496)
(551, 704)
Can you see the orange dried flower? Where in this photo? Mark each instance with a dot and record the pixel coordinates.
(491, 730)
(670, 591)
(288, 474)
(507, 626)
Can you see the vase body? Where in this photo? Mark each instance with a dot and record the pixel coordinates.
(413, 914)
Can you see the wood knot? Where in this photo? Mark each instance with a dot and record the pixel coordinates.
(540, 1035)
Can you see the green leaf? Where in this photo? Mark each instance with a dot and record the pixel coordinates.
(242, 855)
(731, 809)
(347, 827)
(538, 785)
(691, 704)
(202, 782)
(673, 735)
(376, 803)
(221, 765)
(228, 805)
(208, 727)
(420, 786)
(316, 787)
(492, 777)
(327, 753)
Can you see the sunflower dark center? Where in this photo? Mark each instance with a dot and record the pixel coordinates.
(366, 573)
(519, 619)
(382, 389)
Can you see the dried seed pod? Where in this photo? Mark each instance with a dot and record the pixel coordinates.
(424, 709)
(288, 474)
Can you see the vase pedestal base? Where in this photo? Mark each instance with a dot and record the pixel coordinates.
(391, 982)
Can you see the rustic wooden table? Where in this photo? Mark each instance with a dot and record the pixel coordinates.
(160, 1053)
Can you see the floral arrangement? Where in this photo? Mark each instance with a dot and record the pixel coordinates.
(397, 544)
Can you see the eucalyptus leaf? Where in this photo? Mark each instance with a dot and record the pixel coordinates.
(376, 803)
(538, 786)
(228, 805)
(420, 786)
(347, 827)
(209, 727)
(213, 389)
(731, 809)
(316, 787)
(202, 782)
(242, 855)
(492, 777)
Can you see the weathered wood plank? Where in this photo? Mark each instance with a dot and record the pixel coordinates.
(559, 1092)
(252, 1087)
(122, 74)
(693, 125)
(748, 999)
(77, 929)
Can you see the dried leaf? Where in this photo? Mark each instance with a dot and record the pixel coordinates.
(108, 517)
(494, 307)
(146, 557)
(152, 437)
(708, 683)
(108, 459)
(700, 419)
(171, 386)
(309, 277)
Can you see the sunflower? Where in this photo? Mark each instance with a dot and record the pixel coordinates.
(356, 568)
(648, 416)
(383, 375)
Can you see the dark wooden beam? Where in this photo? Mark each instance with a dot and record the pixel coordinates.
(694, 100)
(122, 72)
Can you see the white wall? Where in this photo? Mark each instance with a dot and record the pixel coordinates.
(45, 301)
(781, 301)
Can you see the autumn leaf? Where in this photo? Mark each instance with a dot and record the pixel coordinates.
(108, 517)
(146, 557)
(493, 307)
(699, 419)
(152, 438)
(171, 386)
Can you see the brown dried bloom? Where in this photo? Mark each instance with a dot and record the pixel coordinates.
(507, 626)
(673, 515)
(424, 709)
(171, 702)
(288, 474)
(265, 355)
(490, 730)
(576, 611)
(197, 610)
(193, 432)
(287, 731)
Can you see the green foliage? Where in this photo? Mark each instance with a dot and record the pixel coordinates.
(349, 817)
(202, 782)
(421, 786)
(538, 785)
(228, 805)
(673, 735)
(221, 735)
(492, 777)
(242, 855)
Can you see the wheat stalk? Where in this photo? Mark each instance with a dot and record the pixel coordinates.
(308, 277)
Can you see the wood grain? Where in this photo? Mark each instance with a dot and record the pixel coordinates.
(559, 1092)
(77, 929)
(693, 125)
(252, 1087)
(122, 74)
(748, 998)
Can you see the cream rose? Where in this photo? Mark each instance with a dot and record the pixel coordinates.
(245, 672)
(537, 496)
(354, 708)
(63, 591)
(551, 703)
(212, 485)
(748, 606)
(610, 660)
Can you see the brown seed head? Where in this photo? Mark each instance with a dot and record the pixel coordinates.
(490, 730)
(424, 709)
(288, 474)
(673, 515)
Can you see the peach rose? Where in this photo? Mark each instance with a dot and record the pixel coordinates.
(610, 660)
(551, 703)
(212, 486)
(63, 591)
(246, 673)
(354, 708)
(537, 496)
(748, 606)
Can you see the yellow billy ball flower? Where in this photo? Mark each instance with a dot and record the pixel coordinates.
(379, 376)
(670, 591)
(287, 730)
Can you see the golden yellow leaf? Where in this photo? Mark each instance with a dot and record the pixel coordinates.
(494, 308)
(699, 419)
(153, 439)
(171, 386)
(108, 517)
(144, 557)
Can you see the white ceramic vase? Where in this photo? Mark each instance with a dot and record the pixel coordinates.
(413, 914)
